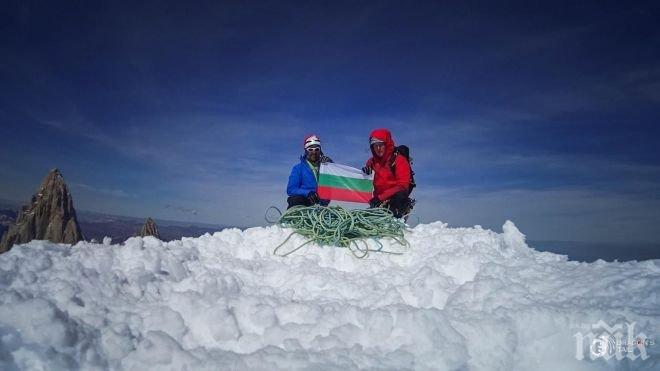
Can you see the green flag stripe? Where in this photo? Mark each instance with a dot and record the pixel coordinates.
(359, 185)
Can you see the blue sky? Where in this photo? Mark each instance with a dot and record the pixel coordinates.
(543, 114)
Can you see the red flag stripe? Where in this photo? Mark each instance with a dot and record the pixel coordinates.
(339, 194)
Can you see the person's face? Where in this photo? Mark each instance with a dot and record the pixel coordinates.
(379, 149)
(313, 153)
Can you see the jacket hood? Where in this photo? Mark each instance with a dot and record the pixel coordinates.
(385, 136)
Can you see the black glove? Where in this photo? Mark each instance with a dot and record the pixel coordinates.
(313, 198)
(366, 170)
(374, 202)
(325, 159)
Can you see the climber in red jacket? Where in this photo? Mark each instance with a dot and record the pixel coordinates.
(392, 174)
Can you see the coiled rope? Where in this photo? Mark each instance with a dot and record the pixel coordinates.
(336, 226)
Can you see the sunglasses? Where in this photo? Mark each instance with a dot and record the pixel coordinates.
(313, 149)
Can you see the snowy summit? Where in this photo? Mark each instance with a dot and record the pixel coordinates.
(457, 299)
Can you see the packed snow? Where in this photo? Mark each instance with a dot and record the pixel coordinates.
(457, 299)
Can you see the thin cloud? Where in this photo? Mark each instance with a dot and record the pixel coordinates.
(182, 209)
(120, 193)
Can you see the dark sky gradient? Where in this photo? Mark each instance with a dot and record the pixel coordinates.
(545, 114)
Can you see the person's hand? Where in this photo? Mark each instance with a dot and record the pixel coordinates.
(325, 159)
(366, 170)
(313, 198)
(374, 202)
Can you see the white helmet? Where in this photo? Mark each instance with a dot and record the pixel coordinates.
(312, 140)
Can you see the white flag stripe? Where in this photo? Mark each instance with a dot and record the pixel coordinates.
(344, 171)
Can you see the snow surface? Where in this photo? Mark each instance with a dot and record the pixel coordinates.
(458, 299)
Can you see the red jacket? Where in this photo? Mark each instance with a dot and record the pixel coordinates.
(386, 182)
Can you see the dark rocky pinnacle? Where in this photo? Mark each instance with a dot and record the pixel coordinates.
(50, 215)
(149, 229)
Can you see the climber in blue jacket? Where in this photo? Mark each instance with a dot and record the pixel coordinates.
(304, 177)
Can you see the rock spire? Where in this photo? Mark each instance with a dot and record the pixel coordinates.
(49, 216)
(149, 229)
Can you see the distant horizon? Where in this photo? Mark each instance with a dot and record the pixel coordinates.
(17, 205)
(584, 251)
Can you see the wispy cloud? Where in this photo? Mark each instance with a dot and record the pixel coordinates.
(643, 81)
(181, 209)
(100, 191)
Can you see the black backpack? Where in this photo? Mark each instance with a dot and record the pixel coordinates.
(404, 151)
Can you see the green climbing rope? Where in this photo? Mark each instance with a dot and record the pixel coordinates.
(337, 226)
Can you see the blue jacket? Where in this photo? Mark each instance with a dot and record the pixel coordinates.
(302, 181)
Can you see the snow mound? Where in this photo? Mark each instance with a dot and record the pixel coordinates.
(459, 298)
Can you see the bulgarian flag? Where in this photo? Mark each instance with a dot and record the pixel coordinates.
(344, 183)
